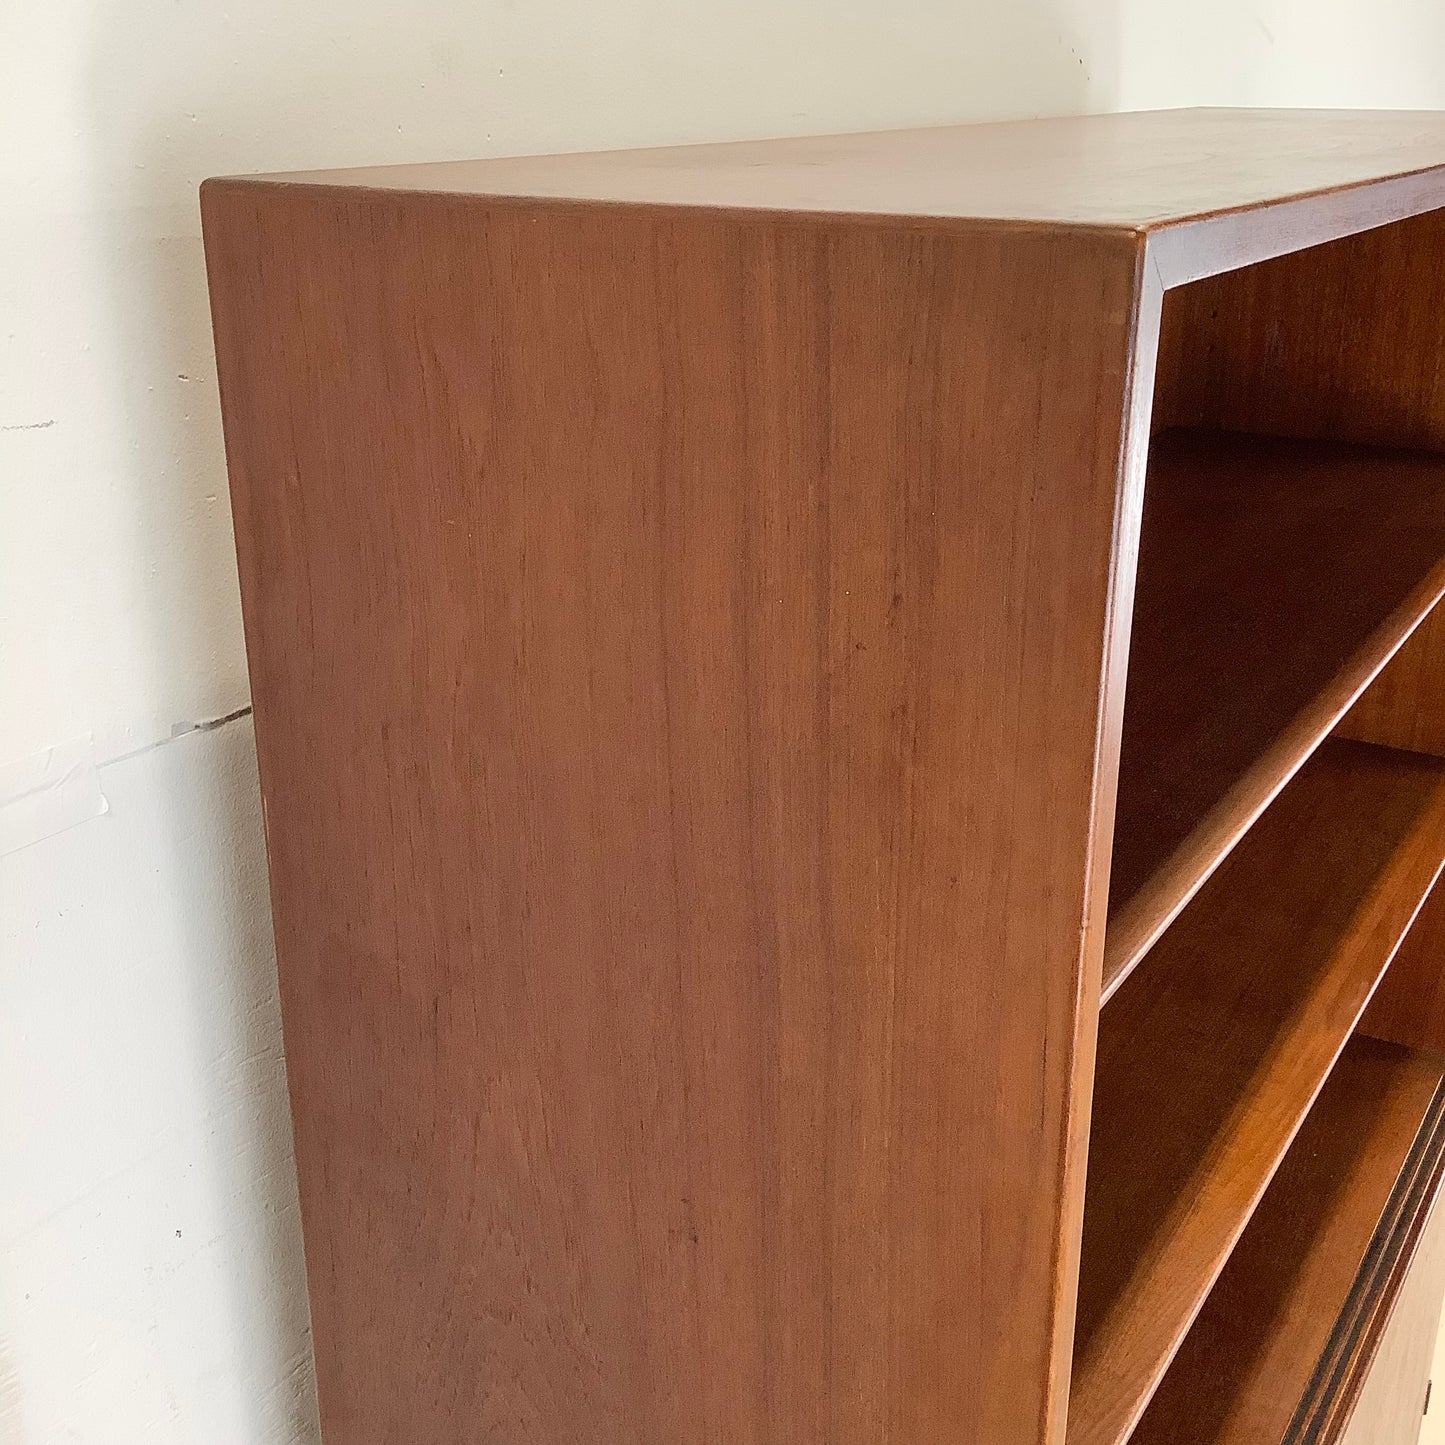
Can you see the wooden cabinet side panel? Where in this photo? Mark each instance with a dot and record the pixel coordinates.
(678, 651)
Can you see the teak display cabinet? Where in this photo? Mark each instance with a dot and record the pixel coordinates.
(853, 742)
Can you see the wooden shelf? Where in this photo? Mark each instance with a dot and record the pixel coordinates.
(1209, 1057)
(1276, 577)
(1281, 1345)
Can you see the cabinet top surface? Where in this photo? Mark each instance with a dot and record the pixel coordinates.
(1139, 170)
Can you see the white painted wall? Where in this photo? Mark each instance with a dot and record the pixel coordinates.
(150, 1276)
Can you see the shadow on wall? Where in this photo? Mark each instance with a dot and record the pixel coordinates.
(177, 94)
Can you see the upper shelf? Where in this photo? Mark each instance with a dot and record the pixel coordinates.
(1275, 579)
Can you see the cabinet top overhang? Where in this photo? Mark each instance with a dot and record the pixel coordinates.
(1137, 170)
(1309, 174)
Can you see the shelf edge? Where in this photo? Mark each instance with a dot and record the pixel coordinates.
(1143, 920)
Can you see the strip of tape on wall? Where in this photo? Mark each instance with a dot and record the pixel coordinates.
(48, 792)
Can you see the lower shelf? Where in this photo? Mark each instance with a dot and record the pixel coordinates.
(1212, 1052)
(1282, 1345)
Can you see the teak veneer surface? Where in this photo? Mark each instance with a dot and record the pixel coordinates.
(657, 962)
(1405, 706)
(1267, 1360)
(1336, 342)
(1275, 578)
(687, 597)
(1211, 1053)
(1410, 1007)
(1134, 171)
(1340, 341)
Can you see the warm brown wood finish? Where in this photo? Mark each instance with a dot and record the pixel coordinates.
(1275, 579)
(1258, 985)
(1340, 341)
(1219, 187)
(1405, 706)
(1280, 1350)
(689, 598)
(656, 962)
(1410, 1005)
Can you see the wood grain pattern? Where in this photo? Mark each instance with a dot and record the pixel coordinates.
(1331, 1242)
(1210, 1054)
(1404, 707)
(689, 596)
(1343, 341)
(1409, 1007)
(688, 1040)
(1214, 187)
(1275, 579)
